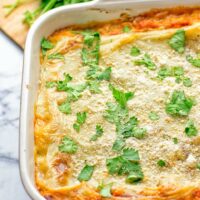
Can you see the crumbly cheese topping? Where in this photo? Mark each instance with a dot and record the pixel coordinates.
(150, 95)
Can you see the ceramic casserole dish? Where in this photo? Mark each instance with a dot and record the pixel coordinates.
(95, 11)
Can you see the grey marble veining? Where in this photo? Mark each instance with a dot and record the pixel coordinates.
(10, 84)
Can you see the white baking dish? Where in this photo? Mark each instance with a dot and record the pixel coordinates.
(98, 10)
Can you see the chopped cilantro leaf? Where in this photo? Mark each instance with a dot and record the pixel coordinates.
(74, 92)
(126, 29)
(135, 177)
(67, 145)
(114, 165)
(147, 62)
(161, 163)
(56, 56)
(45, 5)
(90, 50)
(86, 173)
(139, 133)
(81, 118)
(46, 45)
(126, 164)
(105, 75)
(65, 108)
(51, 84)
(120, 96)
(76, 126)
(94, 87)
(190, 129)
(187, 82)
(30, 17)
(62, 85)
(164, 72)
(105, 190)
(92, 73)
(179, 104)
(131, 155)
(177, 41)
(115, 113)
(153, 116)
(175, 140)
(127, 129)
(135, 51)
(198, 166)
(177, 71)
(118, 144)
(99, 133)
(194, 61)
(131, 129)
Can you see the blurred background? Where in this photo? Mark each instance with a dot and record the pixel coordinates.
(11, 61)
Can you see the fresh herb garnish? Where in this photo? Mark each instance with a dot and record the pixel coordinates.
(177, 41)
(86, 173)
(135, 176)
(175, 140)
(139, 133)
(94, 86)
(179, 104)
(161, 163)
(63, 85)
(99, 133)
(126, 164)
(105, 75)
(119, 144)
(121, 97)
(127, 129)
(90, 58)
(131, 129)
(81, 118)
(115, 113)
(105, 190)
(131, 155)
(50, 84)
(164, 72)
(90, 50)
(135, 51)
(126, 29)
(190, 129)
(46, 45)
(194, 61)
(177, 72)
(187, 82)
(146, 61)
(74, 91)
(56, 56)
(65, 108)
(11, 7)
(68, 146)
(153, 116)
(198, 166)
(45, 6)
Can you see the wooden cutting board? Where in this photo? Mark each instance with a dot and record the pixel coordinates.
(12, 25)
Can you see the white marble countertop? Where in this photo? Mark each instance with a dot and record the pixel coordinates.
(10, 83)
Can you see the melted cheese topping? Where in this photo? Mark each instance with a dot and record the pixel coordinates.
(56, 170)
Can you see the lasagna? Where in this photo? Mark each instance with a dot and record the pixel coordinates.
(117, 113)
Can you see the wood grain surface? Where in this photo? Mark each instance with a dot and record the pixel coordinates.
(12, 25)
